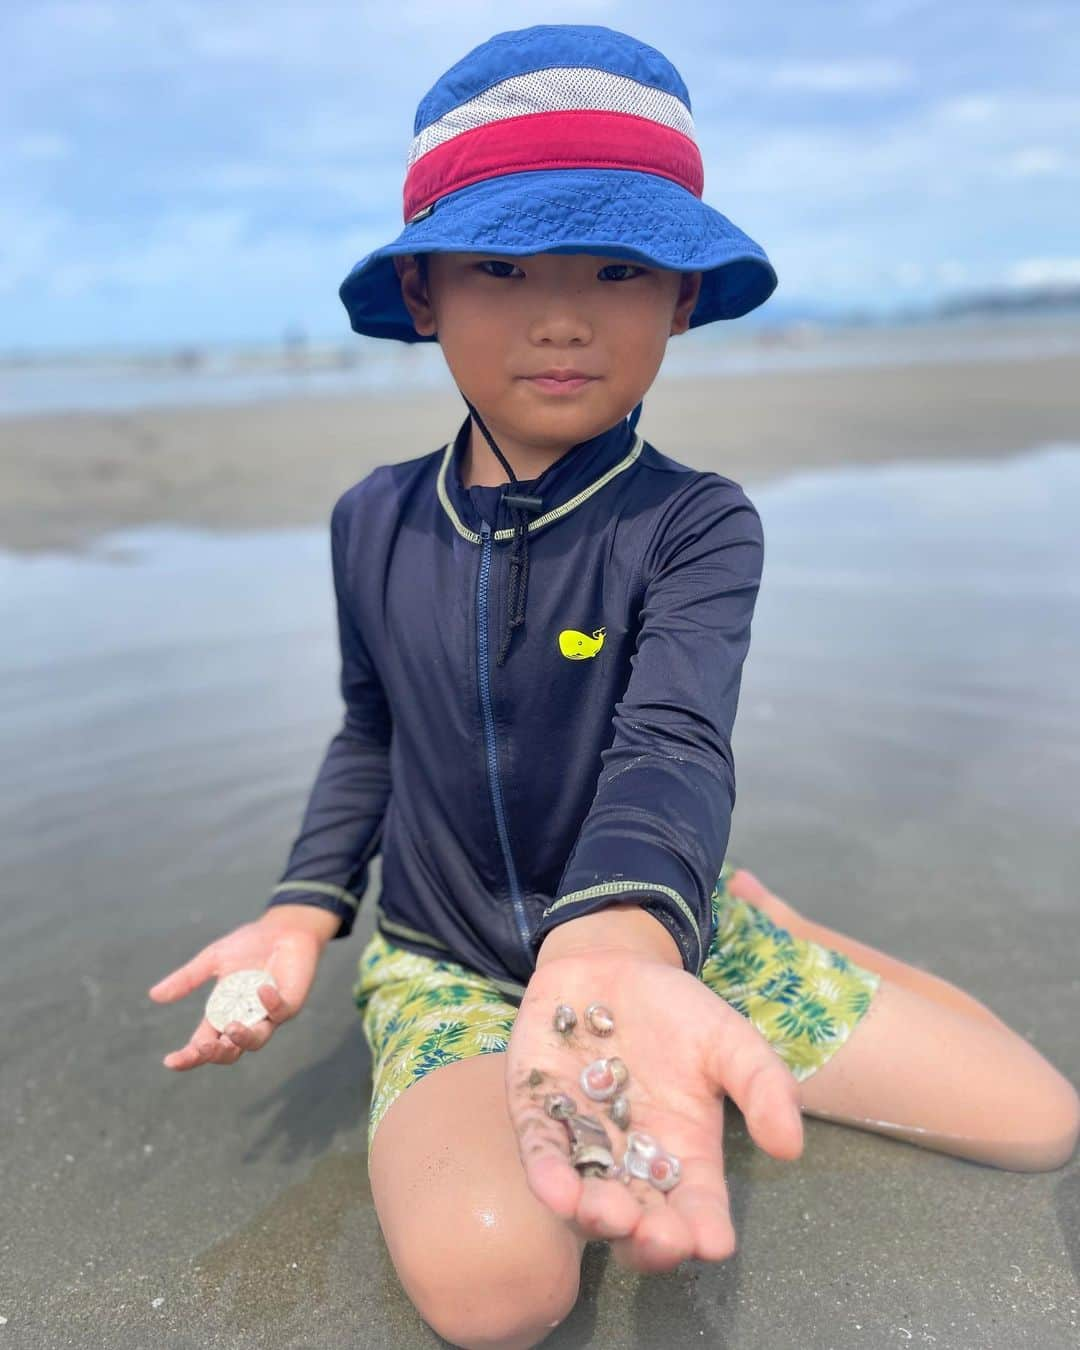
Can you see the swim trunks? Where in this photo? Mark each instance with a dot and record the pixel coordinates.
(420, 1013)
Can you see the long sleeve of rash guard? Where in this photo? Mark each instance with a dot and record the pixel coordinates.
(342, 825)
(657, 830)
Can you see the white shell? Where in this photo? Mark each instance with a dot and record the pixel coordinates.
(635, 1165)
(599, 1019)
(673, 1177)
(637, 1141)
(234, 999)
(594, 1093)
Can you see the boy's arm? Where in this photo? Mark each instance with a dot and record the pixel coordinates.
(342, 826)
(657, 831)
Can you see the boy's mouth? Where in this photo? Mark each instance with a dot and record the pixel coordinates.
(556, 381)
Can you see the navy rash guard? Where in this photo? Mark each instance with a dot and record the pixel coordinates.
(592, 768)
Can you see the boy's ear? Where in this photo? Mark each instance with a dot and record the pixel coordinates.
(689, 290)
(414, 293)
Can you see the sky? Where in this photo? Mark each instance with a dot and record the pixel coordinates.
(182, 172)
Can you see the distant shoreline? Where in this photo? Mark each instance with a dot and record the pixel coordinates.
(66, 478)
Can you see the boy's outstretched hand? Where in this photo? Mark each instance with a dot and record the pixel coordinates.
(286, 941)
(684, 1047)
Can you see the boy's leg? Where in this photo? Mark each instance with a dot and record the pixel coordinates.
(921, 1062)
(923, 1072)
(484, 1262)
(748, 887)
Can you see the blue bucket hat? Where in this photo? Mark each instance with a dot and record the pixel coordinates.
(560, 138)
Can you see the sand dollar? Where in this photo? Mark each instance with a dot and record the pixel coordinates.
(234, 999)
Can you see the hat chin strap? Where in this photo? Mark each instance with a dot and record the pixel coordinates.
(519, 505)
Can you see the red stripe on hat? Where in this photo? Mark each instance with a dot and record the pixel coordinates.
(578, 139)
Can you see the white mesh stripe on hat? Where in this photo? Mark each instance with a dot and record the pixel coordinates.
(557, 89)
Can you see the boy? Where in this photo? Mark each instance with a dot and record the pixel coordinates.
(540, 680)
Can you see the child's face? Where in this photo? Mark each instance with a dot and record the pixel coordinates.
(500, 319)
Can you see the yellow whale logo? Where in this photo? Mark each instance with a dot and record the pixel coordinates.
(577, 646)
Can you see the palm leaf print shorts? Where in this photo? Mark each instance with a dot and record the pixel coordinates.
(420, 1013)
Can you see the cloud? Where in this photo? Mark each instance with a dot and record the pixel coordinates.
(40, 145)
(172, 254)
(842, 77)
(1038, 161)
(1030, 272)
(32, 242)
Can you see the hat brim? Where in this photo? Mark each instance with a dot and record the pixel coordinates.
(613, 212)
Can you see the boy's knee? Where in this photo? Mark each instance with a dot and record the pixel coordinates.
(498, 1309)
(1058, 1121)
(1039, 1122)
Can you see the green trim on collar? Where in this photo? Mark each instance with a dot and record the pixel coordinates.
(549, 516)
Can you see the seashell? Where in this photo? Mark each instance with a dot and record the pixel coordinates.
(594, 1122)
(619, 1069)
(593, 1160)
(635, 1165)
(664, 1171)
(598, 1082)
(619, 1109)
(559, 1105)
(584, 1129)
(637, 1141)
(565, 1019)
(599, 1019)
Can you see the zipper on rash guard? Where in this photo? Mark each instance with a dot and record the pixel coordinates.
(489, 739)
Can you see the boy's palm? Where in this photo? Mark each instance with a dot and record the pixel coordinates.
(684, 1047)
(290, 954)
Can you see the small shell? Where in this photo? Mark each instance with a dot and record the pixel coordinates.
(635, 1165)
(586, 1130)
(593, 1160)
(664, 1171)
(559, 1105)
(599, 1019)
(619, 1069)
(619, 1109)
(565, 1019)
(637, 1141)
(598, 1082)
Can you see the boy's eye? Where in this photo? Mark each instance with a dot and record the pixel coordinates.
(624, 266)
(496, 262)
(611, 267)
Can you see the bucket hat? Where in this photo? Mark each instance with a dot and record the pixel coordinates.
(560, 138)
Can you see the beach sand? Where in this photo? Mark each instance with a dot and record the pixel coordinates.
(65, 478)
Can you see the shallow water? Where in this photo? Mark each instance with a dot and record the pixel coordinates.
(177, 682)
(908, 755)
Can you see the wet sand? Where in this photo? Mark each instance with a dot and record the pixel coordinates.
(907, 751)
(65, 478)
